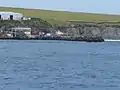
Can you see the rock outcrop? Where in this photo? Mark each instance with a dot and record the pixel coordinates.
(107, 30)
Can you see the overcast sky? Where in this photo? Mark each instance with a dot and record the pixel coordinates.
(91, 6)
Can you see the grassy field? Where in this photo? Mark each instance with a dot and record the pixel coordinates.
(60, 17)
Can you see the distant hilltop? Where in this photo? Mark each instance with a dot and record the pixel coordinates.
(61, 17)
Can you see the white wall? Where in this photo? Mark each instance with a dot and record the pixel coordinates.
(6, 15)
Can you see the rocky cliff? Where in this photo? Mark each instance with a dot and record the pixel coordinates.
(107, 30)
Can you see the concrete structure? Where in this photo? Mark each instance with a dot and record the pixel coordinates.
(10, 16)
(48, 34)
(25, 18)
(9, 35)
(59, 33)
(26, 31)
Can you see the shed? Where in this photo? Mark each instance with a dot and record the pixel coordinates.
(25, 30)
(10, 16)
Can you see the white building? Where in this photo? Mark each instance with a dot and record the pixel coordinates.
(59, 33)
(10, 16)
(27, 31)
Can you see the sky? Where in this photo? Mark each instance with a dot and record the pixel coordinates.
(90, 6)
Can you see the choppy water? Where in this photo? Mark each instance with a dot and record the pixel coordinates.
(59, 65)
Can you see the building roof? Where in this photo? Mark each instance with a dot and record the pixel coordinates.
(21, 29)
(9, 13)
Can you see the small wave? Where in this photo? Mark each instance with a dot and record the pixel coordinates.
(112, 40)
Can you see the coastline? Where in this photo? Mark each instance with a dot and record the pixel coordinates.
(81, 31)
(63, 26)
(85, 39)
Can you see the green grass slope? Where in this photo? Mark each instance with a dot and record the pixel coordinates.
(61, 17)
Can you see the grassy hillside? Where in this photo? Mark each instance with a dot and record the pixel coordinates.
(60, 17)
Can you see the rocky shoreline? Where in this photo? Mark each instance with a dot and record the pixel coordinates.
(74, 31)
(85, 39)
(106, 30)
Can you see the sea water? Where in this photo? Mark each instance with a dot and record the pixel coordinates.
(59, 65)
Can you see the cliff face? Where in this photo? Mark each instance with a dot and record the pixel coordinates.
(105, 30)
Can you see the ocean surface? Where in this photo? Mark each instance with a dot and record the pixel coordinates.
(59, 65)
